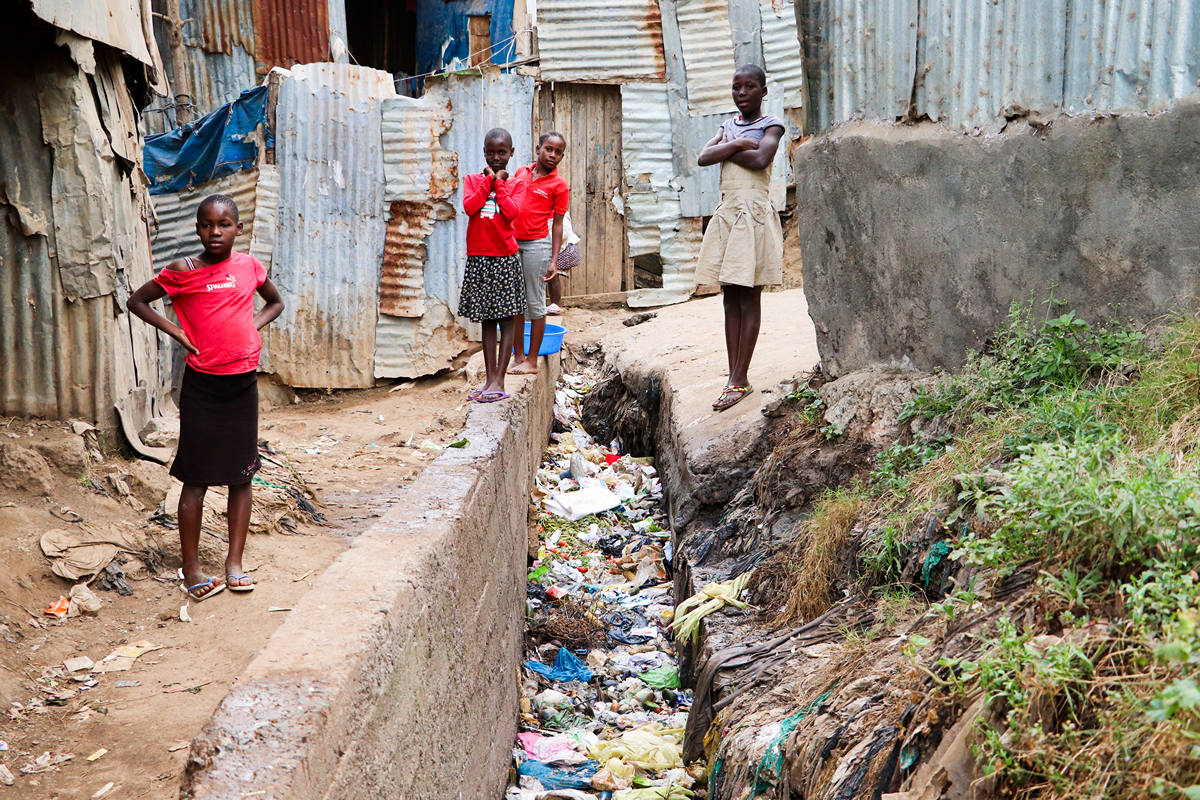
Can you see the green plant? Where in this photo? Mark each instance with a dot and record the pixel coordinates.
(899, 460)
(881, 556)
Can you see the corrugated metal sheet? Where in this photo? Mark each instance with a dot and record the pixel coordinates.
(118, 23)
(266, 215)
(1131, 56)
(219, 26)
(979, 63)
(338, 36)
(174, 235)
(291, 31)
(330, 236)
(417, 172)
(415, 166)
(707, 42)
(402, 286)
(596, 42)
(781, 51)
(653, 214)
(409, 347)
(861, 56)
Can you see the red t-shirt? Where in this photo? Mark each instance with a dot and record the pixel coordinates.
(493, 206)
(215, 306)
(544, 197)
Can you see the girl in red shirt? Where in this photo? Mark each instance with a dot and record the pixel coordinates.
(492, 290)
(213, 296)
(546, 199)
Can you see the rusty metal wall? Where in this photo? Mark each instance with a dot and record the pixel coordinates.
(417, 172)
(123, 24)
(331, 227)
(477, 102)
(291, 31)
(591, 42)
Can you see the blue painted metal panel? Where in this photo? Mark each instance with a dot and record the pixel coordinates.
(442, 36)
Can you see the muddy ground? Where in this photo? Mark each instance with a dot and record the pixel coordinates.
(354, 450)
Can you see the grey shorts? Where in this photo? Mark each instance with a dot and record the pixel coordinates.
(535, 259)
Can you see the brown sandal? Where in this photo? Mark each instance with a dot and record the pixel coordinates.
(731, 396)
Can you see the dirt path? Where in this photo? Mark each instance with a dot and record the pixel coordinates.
(354, 449)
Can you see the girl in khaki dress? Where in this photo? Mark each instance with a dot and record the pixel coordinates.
(743, 244)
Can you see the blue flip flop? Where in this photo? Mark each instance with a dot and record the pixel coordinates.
(229, 581)
(194, 591)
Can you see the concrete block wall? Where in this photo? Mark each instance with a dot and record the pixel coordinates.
(396, 676)
(916, 240)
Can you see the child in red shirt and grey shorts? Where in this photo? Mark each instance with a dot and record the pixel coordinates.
(213, 296)
(546, 201)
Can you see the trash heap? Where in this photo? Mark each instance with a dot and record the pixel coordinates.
(602, 712)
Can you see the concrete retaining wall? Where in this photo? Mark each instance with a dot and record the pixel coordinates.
(396, 676)
(916, 240)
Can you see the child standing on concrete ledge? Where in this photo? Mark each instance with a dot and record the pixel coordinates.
(493, 291)
(743, 244)
(546, 200)
(213, 295)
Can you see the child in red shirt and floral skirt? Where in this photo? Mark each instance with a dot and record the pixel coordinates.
(493, 291)
(213, 296)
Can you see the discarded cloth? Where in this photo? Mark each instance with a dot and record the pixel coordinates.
(592, 497)
(566, 667)
(83, 550)
(712, 597)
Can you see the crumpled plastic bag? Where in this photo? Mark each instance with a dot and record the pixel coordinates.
(648, 747)
(614, 775)
(577, 776)
(567, 667)
(664, 677)
(551, 749)
(593, 497)
(83, 601)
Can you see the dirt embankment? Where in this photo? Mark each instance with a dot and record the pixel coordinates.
(332, 462)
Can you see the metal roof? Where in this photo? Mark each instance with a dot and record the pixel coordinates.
(402, 284)
(707, 42)
(331, 227)
(597, 42)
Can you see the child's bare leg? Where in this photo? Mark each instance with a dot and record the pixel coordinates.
(529, 365)
(733, 325)
(191, 512)
(519, 338)
(750, 318)
(507, 334)
(490, 356)
(240, 498)
(554, 290)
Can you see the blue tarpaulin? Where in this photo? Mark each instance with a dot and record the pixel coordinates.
(220, 143)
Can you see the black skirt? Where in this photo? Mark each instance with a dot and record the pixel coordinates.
(492, 288)
(218, 429)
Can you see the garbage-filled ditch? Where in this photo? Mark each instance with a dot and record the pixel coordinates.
(602, 712)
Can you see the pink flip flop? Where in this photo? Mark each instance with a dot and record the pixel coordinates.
(491, 397)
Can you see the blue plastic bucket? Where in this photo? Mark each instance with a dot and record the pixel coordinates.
(551, 342)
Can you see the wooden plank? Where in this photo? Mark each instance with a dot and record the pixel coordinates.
(606, 300)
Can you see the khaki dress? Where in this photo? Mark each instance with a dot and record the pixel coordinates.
(743, 243)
